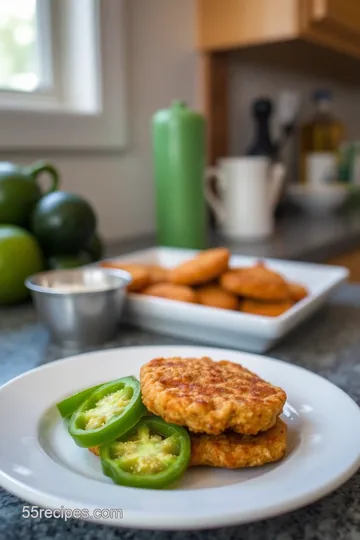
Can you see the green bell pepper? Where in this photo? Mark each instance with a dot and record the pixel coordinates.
(110, 411)
(153, 454)
(68, 406)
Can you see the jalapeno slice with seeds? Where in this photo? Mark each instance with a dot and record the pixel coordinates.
(153, 454)
(68, 406)
(110, 411)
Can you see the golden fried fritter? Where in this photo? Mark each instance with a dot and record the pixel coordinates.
(297, 291)
(172, 292)
(267, 309)
(233, 451)
(256, 282)
(206, 266)
(208, 396)
(158, 274)
(140, 275)
(215, 296)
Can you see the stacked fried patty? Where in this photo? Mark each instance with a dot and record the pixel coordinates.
(232, 415)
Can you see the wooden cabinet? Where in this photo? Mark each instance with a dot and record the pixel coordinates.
(231, 24)
(227, 25)
(332, 23)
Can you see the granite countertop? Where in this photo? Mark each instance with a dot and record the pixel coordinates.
(328, 344)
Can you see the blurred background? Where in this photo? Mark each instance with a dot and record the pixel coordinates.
(150, 54)
(275, 82)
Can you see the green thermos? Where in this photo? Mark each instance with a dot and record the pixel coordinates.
(179, 162)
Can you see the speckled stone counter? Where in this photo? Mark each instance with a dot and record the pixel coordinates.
(328, 344)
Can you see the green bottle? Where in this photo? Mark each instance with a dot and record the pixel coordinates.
(179, 162)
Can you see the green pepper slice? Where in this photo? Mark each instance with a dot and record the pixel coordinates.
(68, 406)
(153, 454)
(110, 411)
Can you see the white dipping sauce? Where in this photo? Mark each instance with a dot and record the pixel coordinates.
(60, 286)
(79, 287)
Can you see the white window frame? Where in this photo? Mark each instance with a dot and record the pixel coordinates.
(75, 118)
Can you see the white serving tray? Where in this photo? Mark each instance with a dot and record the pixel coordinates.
(222, 327)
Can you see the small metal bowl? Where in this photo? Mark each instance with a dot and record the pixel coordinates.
(81, 308)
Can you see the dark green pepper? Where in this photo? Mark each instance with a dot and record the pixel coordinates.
(110, 411)
(153, 454)
(68, 406)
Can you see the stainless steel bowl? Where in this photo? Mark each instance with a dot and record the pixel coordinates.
(81, 308)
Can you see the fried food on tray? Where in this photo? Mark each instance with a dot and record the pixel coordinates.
(208, 396)
(172, 292)
(297, 291)
(214, 296)
(233, 450)
(206, 266)
(140, 275)
(256, 282)
(154, 273)
(267, 309)
(207, 279)
(158, 274)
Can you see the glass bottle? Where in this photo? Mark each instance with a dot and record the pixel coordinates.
(320, 141)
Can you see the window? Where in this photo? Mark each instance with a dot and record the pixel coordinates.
(62, 74)
(20, 54)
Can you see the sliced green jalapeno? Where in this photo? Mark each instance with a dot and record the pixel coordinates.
(153, 454)
(68, 406)
(110, 411)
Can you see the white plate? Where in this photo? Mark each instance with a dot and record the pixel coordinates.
(225, 328)
(40, 463)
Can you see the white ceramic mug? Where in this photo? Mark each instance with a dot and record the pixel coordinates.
(249, 189)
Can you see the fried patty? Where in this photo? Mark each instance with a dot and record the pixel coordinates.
(140, 275)
(297, 291)
(182, 293)
(214, 296)
(206, 266)
(267, 309)
(208, 396)
(158, 274)
(234, 451)
(258, 282)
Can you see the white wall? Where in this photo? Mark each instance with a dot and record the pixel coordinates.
(162, 67)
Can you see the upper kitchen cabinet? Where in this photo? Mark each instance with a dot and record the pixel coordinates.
(332, 23)
(232, 24)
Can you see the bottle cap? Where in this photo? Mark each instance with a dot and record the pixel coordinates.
(262, 106)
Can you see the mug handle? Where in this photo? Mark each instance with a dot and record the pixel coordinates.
(215, 202)
(41, 167)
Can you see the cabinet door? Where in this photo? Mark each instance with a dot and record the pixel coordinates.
(229, 24)
(333, 23)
